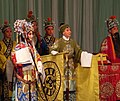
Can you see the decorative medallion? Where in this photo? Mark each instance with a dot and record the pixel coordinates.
(102, 76)
(52, 81)
(106, 90)
(103, 68)
(104, 45)
(118, 89)
(115, 67)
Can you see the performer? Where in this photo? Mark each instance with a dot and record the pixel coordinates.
(111, 44)
(75, 55)
(49, 38)
(27, 64)
(37, 37)
(6, 66)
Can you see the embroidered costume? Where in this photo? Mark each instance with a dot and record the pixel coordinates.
(111, 44)
(28, 66)
(48, 40)
(73, 57)
(6, 47)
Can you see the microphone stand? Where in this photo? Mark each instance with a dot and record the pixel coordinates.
(29, 90)
(36, 70)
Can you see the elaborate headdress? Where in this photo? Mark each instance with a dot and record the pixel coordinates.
(22, 25)
(111, 22)
(63, 27)
(30, 17)
(48, 22)
(5, 26)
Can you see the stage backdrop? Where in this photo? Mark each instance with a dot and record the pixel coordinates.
(86, 17)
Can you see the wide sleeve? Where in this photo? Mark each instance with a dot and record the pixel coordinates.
(2, 51)
(78, 52)
(107, 47)
(55, 47)
(40, 66)
(3, 59)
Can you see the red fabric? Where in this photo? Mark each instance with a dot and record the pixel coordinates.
(18, 67)
(109, 82)
(107, 47)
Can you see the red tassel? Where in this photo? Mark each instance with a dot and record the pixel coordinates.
(5, 22)
(113, 17)
(49, 19)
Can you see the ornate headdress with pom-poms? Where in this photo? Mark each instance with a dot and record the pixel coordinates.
(22, 26)
(5, 26)
(48, 22)
(112, 22)
(30, 17)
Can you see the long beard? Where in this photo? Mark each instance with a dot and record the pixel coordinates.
(116, 42)
(116, 37)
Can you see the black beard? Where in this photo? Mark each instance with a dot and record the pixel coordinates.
(116, 42)
(116, 38)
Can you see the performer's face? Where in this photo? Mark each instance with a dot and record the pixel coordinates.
(114, 30)
(50, 30)
(67, 32)
(35, 26)
(30, 35)
(8, 33)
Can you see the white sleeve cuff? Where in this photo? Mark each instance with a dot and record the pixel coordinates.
(86, 59)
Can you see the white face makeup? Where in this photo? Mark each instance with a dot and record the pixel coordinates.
(67, 32)
(30, 35)
(8, 33)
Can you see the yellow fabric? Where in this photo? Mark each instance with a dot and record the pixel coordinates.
(87, 82)
(87, 79)
(59, 60)
(3, 61)
(2, 56)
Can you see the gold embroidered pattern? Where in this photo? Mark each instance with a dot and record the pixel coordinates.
(106, 90)
(118, 89)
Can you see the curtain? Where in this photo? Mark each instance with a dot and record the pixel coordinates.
(85, 17)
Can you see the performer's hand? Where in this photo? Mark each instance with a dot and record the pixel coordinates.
(54, 52)
(27, 82)
(13, 58)
(19, 65)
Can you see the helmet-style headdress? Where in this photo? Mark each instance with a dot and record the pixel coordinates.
(112, 22)
(30, 17)
(48, 22)
(5, 26)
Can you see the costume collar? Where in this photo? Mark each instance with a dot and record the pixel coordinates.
(65, 38)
